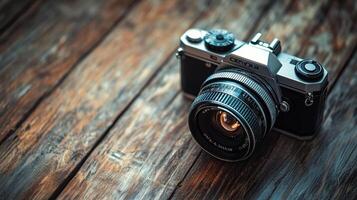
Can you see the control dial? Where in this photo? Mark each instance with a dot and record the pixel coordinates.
(219, 40)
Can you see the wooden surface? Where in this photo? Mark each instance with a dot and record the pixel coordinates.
(91, 106)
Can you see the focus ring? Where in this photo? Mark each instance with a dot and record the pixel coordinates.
(235, 103)
(252, 85)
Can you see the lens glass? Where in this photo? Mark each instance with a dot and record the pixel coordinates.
(221, 129)
(228, 123)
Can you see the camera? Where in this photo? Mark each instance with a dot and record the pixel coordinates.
(242, 91)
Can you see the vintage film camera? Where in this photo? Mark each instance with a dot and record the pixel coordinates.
(243, 90)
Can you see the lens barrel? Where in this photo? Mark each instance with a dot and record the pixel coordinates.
(231, 114)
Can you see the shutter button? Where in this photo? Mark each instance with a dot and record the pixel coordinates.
(194, 35)
(310, 67)
(309, 70)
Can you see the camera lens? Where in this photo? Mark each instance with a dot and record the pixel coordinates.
(228, 122)
(231, 114)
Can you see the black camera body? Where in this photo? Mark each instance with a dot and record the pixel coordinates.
(243, 90)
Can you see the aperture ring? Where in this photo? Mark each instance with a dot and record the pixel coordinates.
(244, 80)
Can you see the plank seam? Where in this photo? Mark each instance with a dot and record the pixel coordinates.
(184, 177)
(72, 174)
(63, 78)
(19, 16)
(341, 69)
(339, 73)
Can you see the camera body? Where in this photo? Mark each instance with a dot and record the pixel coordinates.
(296, 86)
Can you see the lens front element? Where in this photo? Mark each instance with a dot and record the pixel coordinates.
(228, 122)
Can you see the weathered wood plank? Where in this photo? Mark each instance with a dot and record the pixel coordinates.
(11, 10)
(146, 154)
(43, 47)
(333, 41)
(285, 168)
(38, 159)
(148, 151)
(33, 153)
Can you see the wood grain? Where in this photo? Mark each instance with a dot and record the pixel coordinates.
(285, 168)
(148, 151)
(38, 159)
(146, 154)
(334, 40)
(107, 120)
(42, 48)
(12, 10)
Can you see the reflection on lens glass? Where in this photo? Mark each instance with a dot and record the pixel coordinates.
(228, 122)
(221, 133)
